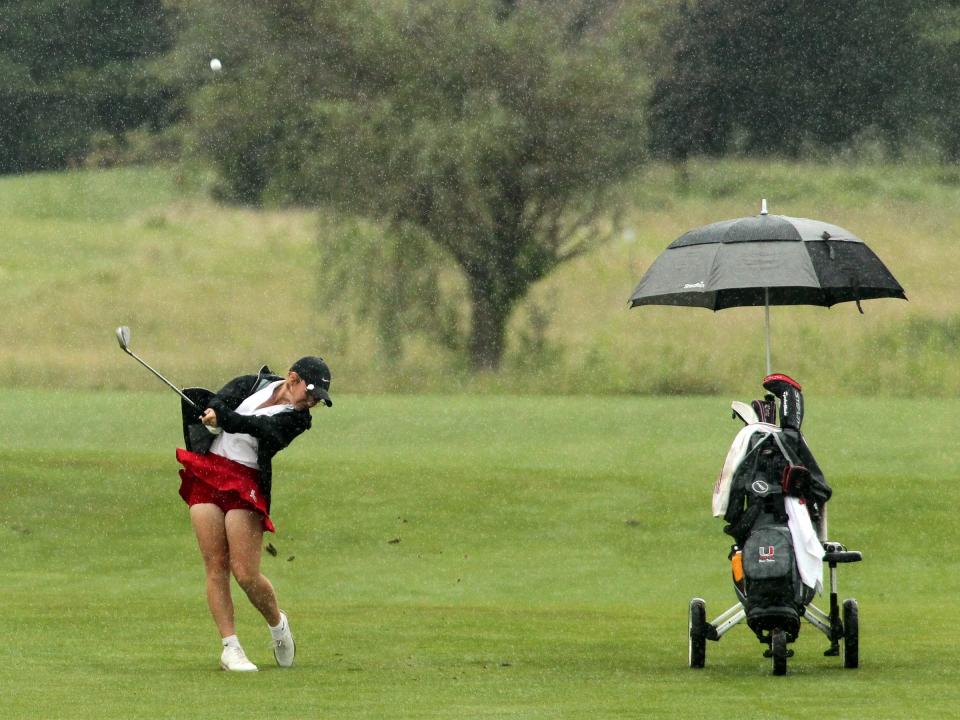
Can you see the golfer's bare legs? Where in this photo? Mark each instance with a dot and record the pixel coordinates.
(245, 539)
(209, 525)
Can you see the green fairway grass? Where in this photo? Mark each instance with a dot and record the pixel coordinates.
(465, 557)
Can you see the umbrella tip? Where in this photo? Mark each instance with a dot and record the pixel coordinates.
(763, 206)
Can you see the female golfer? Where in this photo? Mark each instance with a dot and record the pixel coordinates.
(226, 481)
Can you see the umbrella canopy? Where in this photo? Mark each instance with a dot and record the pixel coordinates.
(765, 260)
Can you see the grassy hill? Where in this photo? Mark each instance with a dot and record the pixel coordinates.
(211, 291)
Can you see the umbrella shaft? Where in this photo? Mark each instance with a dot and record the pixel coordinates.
(766, 317)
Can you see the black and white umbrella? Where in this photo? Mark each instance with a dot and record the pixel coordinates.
(765, 260)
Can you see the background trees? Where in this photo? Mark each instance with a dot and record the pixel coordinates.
(758, 76)
(778, 76)
(938, 87)
(783, 77)
(69, 69)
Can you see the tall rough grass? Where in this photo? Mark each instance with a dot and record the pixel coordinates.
(212, 291)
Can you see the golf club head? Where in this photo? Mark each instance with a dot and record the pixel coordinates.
(123, 336)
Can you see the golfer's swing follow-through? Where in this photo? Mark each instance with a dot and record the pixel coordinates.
(231, 437)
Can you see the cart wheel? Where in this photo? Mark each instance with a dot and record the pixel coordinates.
(778, 648)
(851, 634)
(697, 627)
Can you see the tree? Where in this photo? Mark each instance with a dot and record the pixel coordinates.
(940, 81)
(498, 129)
(777, 74)
(69, 68)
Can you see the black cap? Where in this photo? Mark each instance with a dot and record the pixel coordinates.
(316, 374)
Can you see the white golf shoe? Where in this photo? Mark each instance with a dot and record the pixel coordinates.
(283, 647)
(235, 659)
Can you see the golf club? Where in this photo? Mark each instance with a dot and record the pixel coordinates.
(123, 337)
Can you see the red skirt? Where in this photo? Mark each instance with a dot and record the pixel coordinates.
(227, 484)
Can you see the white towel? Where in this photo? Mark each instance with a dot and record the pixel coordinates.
(806, 544)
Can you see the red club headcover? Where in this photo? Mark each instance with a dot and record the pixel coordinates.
(774, 382)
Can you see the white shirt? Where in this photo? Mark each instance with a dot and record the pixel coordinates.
(240, 447)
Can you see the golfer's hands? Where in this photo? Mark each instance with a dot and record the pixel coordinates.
(209, 418)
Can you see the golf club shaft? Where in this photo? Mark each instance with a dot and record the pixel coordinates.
(170, 384)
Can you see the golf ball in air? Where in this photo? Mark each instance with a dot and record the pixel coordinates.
(216, 65)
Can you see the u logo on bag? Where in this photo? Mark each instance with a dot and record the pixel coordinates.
(767, 553)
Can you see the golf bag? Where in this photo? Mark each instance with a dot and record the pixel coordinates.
(773, 497)
(776, 484)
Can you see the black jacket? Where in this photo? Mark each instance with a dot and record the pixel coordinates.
(273, 432)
